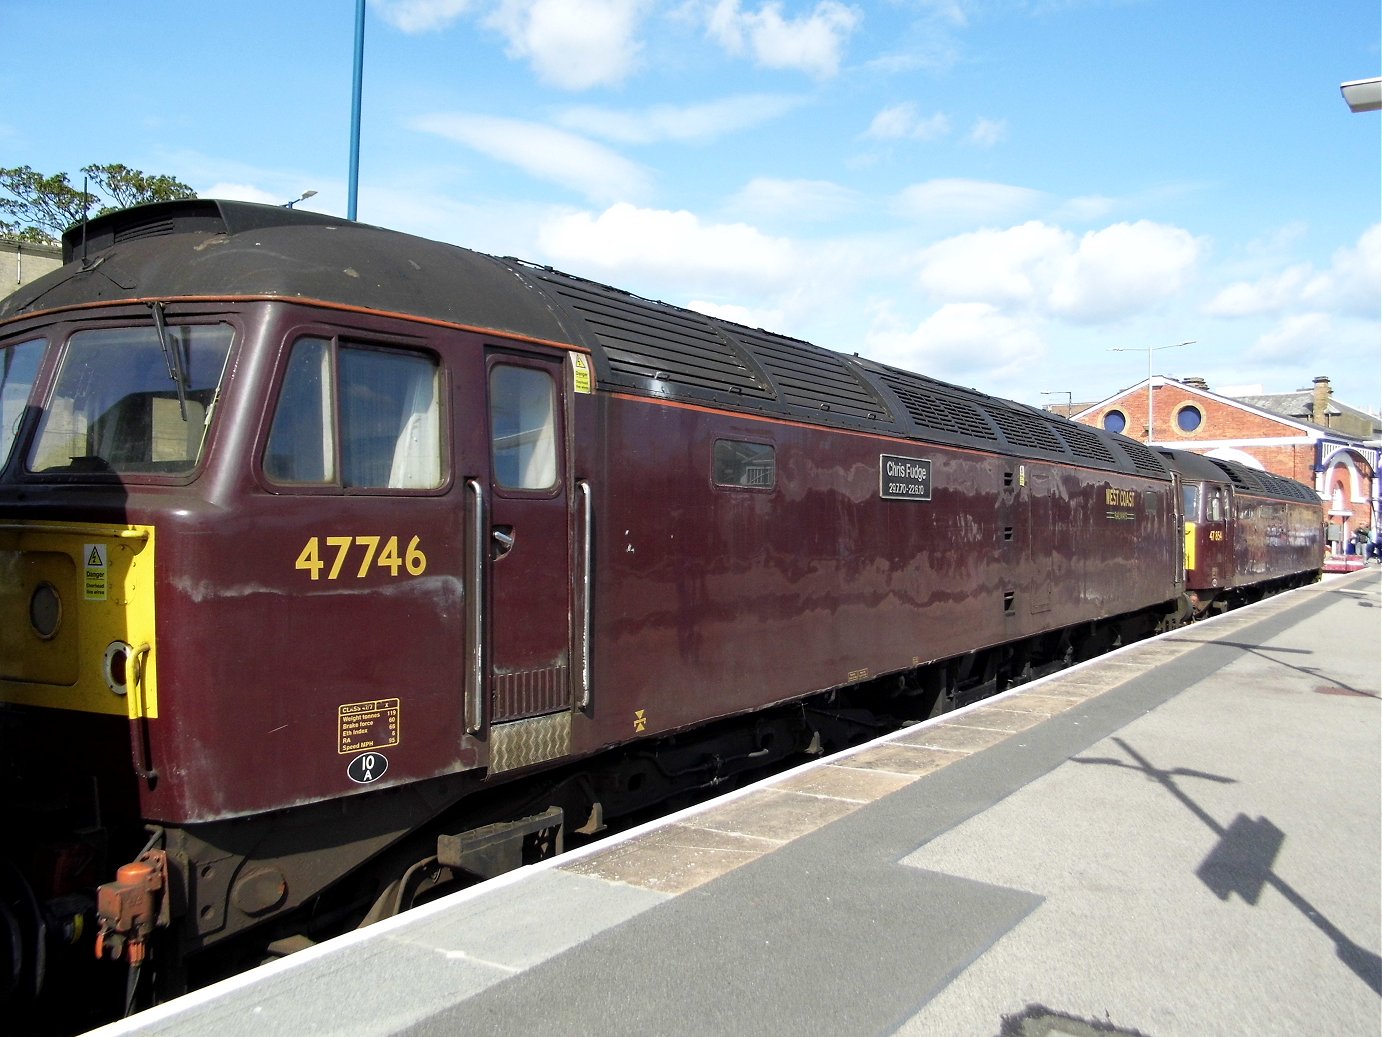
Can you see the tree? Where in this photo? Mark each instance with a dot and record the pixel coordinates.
(39, 208)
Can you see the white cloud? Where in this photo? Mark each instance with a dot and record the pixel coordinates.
(964, 342)
(1103, 276)
(966, 201)
(418, 16)
(1085, 209)
(1016, 266)
(242, 193)
(1123, 269)
(541, 151)
(675, 248)
(1265, 295)
(694, 122)
(748, 316)
(1297, 335)
(1352, 285)
(801, 200)
(985, 133)
(813, 44)
(902, 122)
(572, 44)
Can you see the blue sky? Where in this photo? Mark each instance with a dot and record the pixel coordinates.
(993, 192)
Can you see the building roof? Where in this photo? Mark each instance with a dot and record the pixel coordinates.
(1300, 405)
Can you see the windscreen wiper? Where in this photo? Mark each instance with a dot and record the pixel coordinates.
(172, 357)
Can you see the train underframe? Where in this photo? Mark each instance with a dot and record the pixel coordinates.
(1212, 601)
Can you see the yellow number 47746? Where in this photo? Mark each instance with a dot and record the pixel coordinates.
(370, 555)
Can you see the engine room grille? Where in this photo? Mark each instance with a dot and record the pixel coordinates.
(645, 341)
(1142, 458)
(1021, 429)
(810, 377)
(1083, 442)
(940, 413)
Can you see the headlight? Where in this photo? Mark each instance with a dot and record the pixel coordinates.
(45, 611)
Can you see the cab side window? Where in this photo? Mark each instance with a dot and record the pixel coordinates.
(1190, 495)
(353, 417)
(523, 427)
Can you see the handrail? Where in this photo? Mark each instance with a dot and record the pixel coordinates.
(139, 718)
(587, 553)
(475, 613)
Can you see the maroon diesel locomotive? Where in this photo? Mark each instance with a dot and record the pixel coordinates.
(1247, 532)
(336, 564)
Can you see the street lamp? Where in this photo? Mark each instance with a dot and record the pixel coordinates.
(1150, 350)
(1363, 95)
(300, 198)
(1069, 398)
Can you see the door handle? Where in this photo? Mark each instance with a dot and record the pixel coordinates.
(503, 536)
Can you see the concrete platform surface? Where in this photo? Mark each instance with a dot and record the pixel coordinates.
(1182, 838)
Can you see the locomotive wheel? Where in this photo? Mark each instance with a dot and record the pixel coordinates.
(22, 940)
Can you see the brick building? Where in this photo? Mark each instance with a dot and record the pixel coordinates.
(1306, 435)
(23, 261)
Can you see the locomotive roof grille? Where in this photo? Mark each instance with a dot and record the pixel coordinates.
(1083, 442)
(1024, 430)
(1143, 459)
(810, 377)
(937, 413)
(1237, 474)
(646, 341)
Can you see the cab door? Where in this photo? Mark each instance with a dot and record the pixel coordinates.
(527, 559)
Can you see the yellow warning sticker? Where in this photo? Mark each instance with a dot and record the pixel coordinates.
(640, 719)
(580, 364)
(96, 568)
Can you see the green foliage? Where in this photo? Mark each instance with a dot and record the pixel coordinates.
(38, 208)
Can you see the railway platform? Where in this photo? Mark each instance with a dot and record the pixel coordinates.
(1181, 838)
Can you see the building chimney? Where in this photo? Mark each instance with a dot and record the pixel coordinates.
(1196, 382)
(1320, 409)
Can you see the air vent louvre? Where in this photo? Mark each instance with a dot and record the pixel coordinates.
(938, 413)
(1021, 429)
(647, 341)
(1143, 459)
(810, 377)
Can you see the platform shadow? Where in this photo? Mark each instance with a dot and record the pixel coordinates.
(1243, 859)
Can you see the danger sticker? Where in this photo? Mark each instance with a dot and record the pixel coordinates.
(96, 570)
(367, 725)
(584, 380)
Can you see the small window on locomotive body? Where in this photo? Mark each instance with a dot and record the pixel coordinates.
(1214, 506)
(738, 463)
(357, 417)
(302, 441)
(19, 365)
(113, 411)
(523, 427)
(1190, 494)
